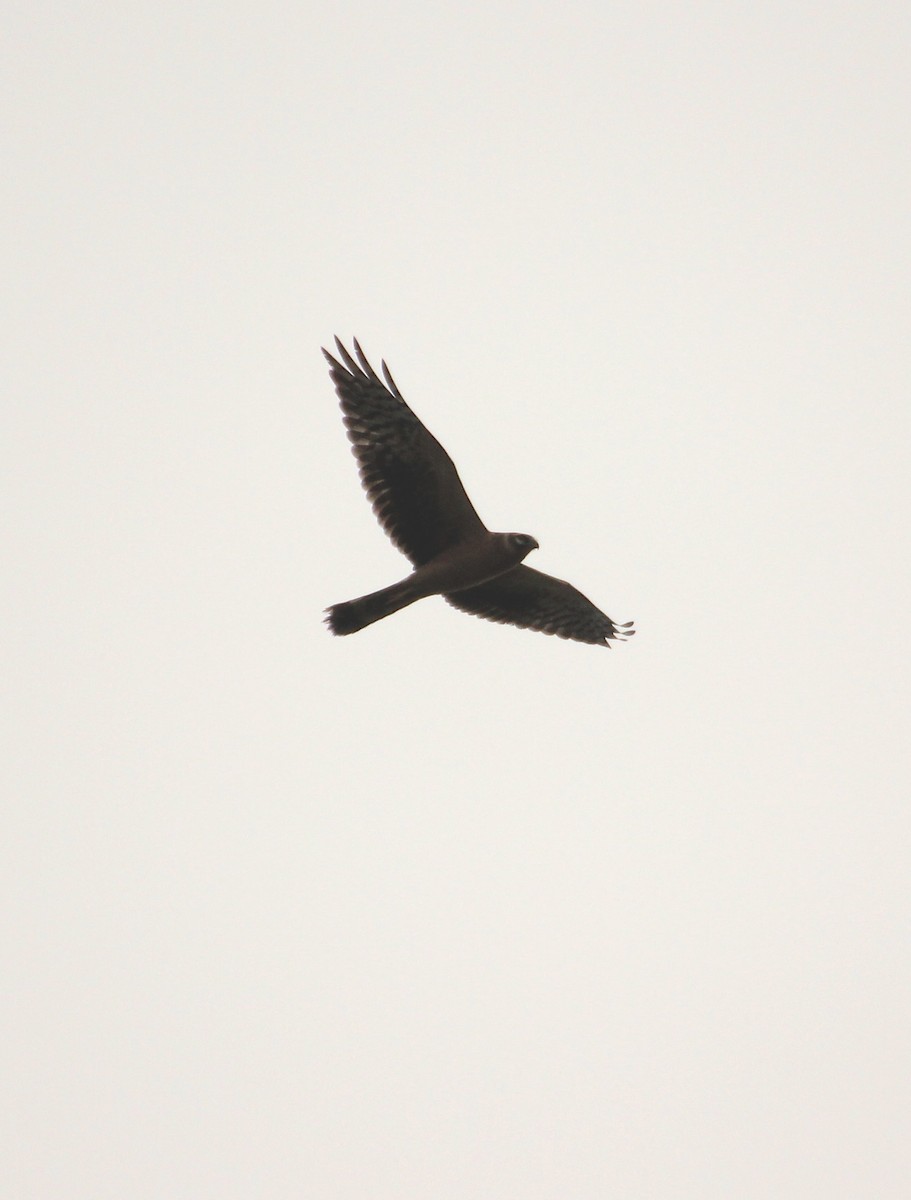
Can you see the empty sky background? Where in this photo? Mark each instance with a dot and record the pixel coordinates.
(448, 909)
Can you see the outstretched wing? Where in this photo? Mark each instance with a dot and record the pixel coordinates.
(533, 600)
(409, 478)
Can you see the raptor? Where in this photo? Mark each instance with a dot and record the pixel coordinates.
(420, 502)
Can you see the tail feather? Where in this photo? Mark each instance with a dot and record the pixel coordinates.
(352, 615)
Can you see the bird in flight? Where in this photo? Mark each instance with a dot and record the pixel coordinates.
(420, 502)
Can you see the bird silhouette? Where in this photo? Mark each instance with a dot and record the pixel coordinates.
(420, 502)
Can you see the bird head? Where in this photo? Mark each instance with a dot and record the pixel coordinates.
(521, 544)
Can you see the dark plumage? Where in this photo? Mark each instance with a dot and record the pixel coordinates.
(420, 502)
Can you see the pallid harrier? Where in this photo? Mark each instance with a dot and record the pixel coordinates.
(419, 500)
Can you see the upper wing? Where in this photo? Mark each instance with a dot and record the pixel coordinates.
(533, 600)
(409, 478)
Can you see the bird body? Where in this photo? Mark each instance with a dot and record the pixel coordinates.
(467, 563)
(420, 502)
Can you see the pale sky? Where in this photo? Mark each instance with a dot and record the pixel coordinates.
(445, 909)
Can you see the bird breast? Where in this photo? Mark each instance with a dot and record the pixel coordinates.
(467, 564)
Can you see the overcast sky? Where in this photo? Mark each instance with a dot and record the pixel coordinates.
(447, 909)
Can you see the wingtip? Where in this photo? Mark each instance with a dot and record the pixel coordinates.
(364, 362)
(390, 382)
(347, 362)
(358, 364)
